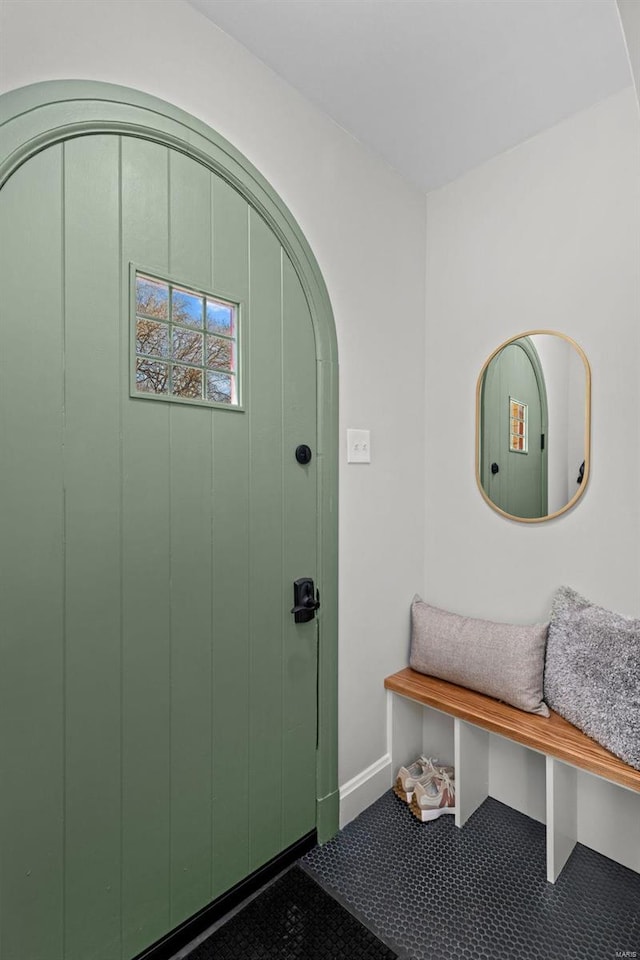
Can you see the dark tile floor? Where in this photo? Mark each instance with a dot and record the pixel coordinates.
(478, 893)
(293, 919)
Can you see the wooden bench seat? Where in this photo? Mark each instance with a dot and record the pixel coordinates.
(553, 736)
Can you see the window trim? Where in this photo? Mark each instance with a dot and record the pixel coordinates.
(164, 276)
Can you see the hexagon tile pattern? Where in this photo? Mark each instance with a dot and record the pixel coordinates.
(293, 919)
(480, 893)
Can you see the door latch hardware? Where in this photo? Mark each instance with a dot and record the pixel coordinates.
(494, 468)
(306, 600)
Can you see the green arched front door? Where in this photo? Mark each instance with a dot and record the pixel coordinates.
(158, 703)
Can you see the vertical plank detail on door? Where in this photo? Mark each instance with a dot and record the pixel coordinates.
(230, 673)
(299, 545)
(146, 598)
(191, 571)
(31, 562)
(92, 547)
(157, 701)
(265, 572)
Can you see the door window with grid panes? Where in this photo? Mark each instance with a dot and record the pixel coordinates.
(186, 344)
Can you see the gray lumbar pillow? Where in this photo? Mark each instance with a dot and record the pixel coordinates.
(592, 675)
(500, 659)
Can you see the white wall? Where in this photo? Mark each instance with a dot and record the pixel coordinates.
(367, 229)
(630, 18)
(546, 235)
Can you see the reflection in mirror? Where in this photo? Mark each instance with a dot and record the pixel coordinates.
(532, 426)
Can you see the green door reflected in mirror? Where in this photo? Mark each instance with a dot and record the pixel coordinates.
(533, 425)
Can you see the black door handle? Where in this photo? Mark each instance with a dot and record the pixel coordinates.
(306, 600)
(494, 468)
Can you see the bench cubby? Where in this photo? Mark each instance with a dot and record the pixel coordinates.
(544, 767)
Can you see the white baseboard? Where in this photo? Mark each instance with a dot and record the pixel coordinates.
(361, 791)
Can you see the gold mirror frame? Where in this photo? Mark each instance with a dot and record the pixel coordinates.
(587, 426)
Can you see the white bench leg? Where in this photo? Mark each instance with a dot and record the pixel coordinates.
(472, 769)
(562, 815)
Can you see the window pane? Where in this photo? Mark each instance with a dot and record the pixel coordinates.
(220, 318)
(187, 345)
(187, 308)
(220, 353)
(220, 387)
(152, 338)
(151, 376)
(186, 382)
(152, 298)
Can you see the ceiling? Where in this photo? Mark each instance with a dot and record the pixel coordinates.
(437, 87)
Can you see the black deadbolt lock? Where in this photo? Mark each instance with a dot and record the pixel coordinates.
(494, 468)
(303, 453)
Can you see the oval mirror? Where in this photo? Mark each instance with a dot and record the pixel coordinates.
(533, 426)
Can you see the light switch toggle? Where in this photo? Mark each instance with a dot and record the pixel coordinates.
(358, 446)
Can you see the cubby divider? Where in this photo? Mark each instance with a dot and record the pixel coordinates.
(562, 815)
(472, 768)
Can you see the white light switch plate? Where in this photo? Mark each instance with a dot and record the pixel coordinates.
(358, 446)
